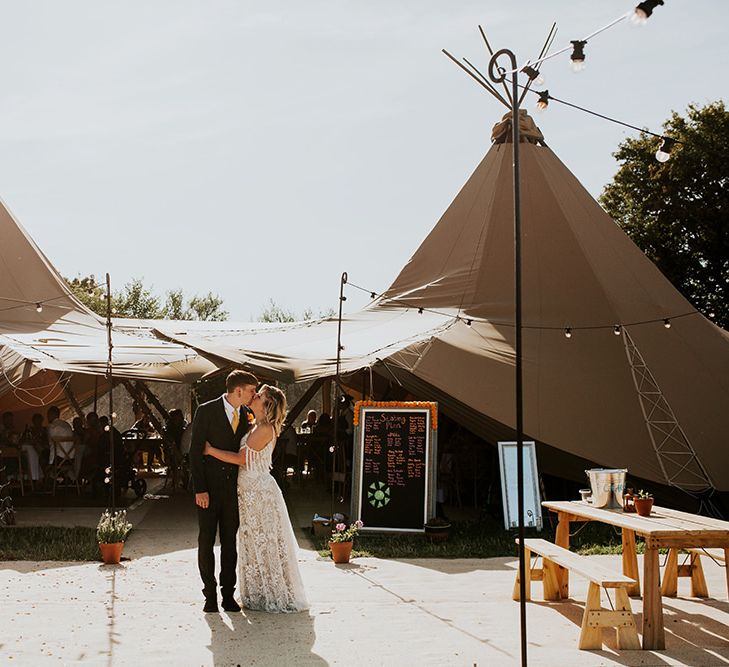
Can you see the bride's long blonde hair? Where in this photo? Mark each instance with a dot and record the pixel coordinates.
(275, 405)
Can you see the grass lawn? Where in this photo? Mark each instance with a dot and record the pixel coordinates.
(48, 543)
(481, 539)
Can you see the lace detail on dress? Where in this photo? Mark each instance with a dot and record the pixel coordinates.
(267, 551)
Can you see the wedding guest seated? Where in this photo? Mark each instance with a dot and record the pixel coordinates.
(323, 425)
(92, 434)
(308, 424)
(141, 423)
(144, 429)
(60, 439)
(36, 447)
(79, 440)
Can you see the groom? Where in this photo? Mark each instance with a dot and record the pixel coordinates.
(222, 422)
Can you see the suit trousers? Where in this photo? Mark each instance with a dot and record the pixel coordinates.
(220, 516)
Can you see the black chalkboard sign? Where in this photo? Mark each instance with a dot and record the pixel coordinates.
(393, 475)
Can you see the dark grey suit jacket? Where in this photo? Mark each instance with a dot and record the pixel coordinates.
(211, 425)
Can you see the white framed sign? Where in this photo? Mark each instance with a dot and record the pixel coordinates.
(509, 485)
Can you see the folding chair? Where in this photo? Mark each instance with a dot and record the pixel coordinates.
(64, 461)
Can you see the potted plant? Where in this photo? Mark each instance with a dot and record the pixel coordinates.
(643, 502)
(111, 532)
(437, 529)
(342, 539)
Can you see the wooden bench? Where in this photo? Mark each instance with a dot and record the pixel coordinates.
(692, 569)
(595, 617)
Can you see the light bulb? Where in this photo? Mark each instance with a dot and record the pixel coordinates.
(534, 76)
(113, 415)
(577, 58)
(638, 17)
(644, 9)
(568, 332)
(543, 101)
(616, 329)
(664, 151)
(39, 307)
(108, 471)
(106, 428)
(667, 323)
(331, 449)
(106, 480)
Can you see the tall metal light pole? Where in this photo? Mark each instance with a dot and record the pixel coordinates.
(335, 411)
(110, 377)
(498, 75)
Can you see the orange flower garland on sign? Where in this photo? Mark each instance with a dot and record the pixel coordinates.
(397, 404)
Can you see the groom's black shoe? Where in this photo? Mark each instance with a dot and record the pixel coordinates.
(229, 603)
(211, 605)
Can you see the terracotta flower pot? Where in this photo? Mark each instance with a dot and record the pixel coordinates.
(437, 534)
(111, 553)
(341, 551)
(643, 506)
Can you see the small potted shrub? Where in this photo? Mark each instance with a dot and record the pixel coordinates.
(643, 503)
(111, 532)
(342, 540)
(437, 530)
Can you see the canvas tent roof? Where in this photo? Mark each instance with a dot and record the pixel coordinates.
(41, 352)
(651, 399)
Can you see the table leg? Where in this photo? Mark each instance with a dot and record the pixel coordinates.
(669, 587)
(653, 635)
(630, 562)
(699, 588)
(562, 539)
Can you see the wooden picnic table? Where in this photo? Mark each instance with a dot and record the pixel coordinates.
(665, 528)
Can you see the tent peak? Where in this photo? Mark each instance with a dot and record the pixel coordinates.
(528, 130)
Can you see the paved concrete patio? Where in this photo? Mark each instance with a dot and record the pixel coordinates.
(371, 612)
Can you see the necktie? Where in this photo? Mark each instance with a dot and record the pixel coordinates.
(234, 421)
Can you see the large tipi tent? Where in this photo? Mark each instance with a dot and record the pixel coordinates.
(50, 343)
(652, 398)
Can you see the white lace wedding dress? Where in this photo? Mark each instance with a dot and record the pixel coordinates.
(269, 576)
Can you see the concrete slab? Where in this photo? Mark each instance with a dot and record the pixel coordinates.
(147, 611)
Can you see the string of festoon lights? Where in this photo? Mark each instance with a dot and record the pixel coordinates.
(90, 286)
(639, 15)
(616, 328)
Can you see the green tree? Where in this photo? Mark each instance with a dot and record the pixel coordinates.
(208, 307)
(677, 212)
(275, 313)
(136, 300)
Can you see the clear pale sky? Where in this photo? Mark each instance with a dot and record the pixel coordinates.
(259, 149)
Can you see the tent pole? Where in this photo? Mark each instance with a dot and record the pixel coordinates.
(498, 75)
(337, 392)
(110, 377)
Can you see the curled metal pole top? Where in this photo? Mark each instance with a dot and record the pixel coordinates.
(496, 72)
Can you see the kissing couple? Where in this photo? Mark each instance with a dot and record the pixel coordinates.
(231, 453)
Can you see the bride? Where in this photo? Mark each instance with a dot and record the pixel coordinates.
(269, 575)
